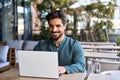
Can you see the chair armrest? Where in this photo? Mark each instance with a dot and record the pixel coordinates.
(13, 56)
(9, 55)
(2, 43)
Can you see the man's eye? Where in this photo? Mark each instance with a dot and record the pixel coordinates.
(58, 25)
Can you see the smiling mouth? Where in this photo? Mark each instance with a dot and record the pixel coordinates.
(55, 34)
(54, 31)
(56, 37)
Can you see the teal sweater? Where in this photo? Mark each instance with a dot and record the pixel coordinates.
(70, 53)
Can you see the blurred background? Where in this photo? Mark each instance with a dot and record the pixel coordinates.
(87, 20)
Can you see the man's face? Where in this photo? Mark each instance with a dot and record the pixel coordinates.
(56, 28)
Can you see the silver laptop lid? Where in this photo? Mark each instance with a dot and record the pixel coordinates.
(38, 64)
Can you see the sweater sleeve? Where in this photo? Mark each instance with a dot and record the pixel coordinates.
(78, 59)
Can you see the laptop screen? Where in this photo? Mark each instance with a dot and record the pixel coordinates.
(38, 64)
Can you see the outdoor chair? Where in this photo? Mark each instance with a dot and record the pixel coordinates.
(5, 58)
(15, 45)
(99, 66)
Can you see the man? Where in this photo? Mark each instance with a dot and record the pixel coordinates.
(70, 53)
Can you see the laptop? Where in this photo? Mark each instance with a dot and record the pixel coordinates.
(38, 64)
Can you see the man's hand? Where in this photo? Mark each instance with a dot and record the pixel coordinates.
(61, 70)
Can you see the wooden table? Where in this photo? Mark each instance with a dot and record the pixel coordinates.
(99, 43)
(101, 55)
(101, 47)
(13, 74)
(96, 48)
(101, 77)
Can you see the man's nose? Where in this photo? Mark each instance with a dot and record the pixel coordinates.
(54, 29)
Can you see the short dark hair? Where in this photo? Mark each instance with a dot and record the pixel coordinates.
(56, 14)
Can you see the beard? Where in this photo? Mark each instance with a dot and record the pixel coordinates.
(56, 38)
